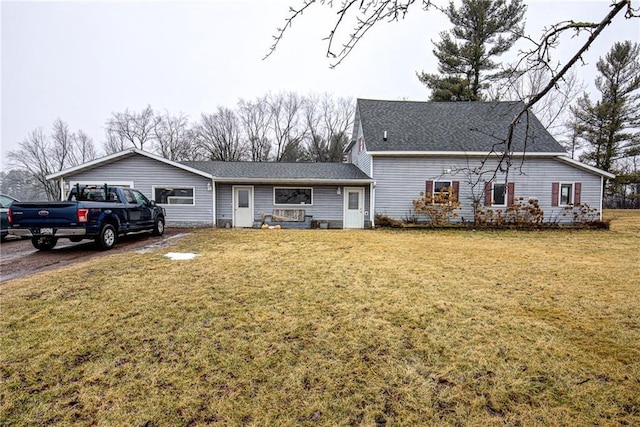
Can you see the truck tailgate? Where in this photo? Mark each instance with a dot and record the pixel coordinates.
(44, 214)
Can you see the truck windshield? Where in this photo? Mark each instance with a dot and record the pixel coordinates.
(93, 194)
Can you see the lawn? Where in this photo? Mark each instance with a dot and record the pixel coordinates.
(322, 327)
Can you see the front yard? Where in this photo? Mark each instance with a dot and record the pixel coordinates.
(323, 327)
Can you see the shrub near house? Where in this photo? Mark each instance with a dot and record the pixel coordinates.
(439, 208)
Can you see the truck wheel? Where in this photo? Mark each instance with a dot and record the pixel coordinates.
(107, 237)
(44, 243)
(158, 227)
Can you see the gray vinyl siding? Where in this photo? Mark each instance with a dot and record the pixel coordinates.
(224, 205)
(145, 173)
(327, 204)
(361, 159)
(400, 180)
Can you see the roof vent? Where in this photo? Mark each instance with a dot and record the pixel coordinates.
(384, 135)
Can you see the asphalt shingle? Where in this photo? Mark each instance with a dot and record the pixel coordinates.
(450, 127)
(278, 171)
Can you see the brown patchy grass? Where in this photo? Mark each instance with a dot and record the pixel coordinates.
(318, 327)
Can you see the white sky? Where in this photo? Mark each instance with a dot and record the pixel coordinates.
(81, 61)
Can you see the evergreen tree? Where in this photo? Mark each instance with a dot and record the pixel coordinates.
(483, 29)
(609, 126)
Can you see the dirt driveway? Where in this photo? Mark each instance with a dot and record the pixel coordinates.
(18, 258)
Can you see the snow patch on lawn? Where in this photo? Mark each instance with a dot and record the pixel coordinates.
(180, 256)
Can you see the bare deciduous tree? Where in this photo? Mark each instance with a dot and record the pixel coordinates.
(35, 155)
(255, 119)
(86, 149)
(553, 110)
(131, 129)
(287, 126)
(218, 135)
(328, 122)
(174, 138)
(41, 155)
(63, 146)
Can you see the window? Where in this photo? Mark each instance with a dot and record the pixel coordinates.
(441, 189)
(354, 199)
(566, 194)
(243, 198)
(499, 194)
(141, 199)
(292, 196)
(131, 198)
(6, 201)
(174, 195)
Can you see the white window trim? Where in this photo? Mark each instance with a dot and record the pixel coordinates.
(292, 188)
(573, 194)
(493, 192)
(438, 192)
(153, 191)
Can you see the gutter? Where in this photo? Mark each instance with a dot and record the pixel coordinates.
(298, 181)
(460, 154)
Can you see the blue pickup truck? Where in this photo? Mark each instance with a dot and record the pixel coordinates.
(101, 213)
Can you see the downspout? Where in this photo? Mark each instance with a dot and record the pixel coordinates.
(601, 195)
(213, 197)
(372, 197)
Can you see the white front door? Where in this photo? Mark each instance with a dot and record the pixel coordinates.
(353, 207)
(243, 206)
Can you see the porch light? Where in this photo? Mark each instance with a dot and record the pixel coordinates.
(209, 186)
(338, 191)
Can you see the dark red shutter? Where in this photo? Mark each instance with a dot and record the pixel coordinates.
(487, 193)
(511, 189)
(577, 188)
(456, 188)
(555, 190)
(429, 189)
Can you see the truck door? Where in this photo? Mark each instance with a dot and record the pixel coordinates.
(143, 210)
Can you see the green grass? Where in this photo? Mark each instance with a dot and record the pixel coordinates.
(321, 327)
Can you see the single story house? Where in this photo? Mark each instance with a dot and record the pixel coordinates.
(410, 147)
(236, 194)
(398, 150)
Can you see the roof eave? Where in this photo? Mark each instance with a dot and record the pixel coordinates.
(461, 154)
(568, 160)
(123, 154)
(323, 181)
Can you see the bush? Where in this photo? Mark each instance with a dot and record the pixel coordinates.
(385, 221)
(439, 208)
(581, 214)
(520, 214)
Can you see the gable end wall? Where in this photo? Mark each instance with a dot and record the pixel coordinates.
(400, 180)
(145, 173)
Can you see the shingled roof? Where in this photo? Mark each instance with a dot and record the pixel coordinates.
(272, 171)
(450, 127)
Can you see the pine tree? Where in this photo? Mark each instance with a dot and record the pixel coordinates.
(483, 29)
(609, 126)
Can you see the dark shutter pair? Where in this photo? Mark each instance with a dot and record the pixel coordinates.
(511, 188)
(555, 193)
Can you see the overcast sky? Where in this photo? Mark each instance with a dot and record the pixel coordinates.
(82, 60)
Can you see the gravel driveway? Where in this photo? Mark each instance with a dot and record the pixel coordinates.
(18, 258)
